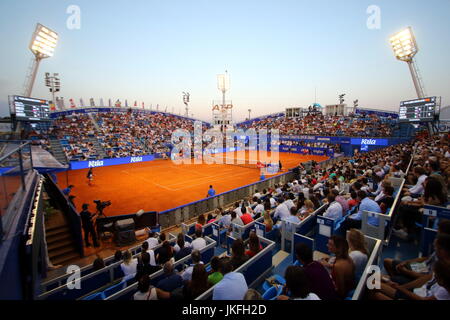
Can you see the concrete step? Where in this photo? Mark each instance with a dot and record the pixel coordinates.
(62, 250)
(59, 237)
(51, 232)
(65, 259)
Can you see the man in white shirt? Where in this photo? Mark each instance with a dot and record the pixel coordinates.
(257, 194)
(334, 210)
(273, 202)
(237, 209)
(447, 152)
(152, 241)
(290, 201)
(199, 243)
(281, 210)
(259, 207)
(318, 186)
(418, 188)
(305, 191)
(225, 221)
(196, 259)
(296, 188)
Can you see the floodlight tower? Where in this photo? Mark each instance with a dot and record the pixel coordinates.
(43, 43)
(405, 48)
(186, 96)
(223, 84)
(53, 83)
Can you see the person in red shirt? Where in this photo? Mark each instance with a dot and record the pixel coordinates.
(201, 221)
(253, 244)
(246, 217)
(353, 201)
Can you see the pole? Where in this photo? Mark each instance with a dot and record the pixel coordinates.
(415, 78)
(224, 110)
(52, 82)
(32, 78)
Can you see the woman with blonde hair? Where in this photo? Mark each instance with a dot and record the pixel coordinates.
(357, 251)
(129, 265)
(308, 209)
(267, 219)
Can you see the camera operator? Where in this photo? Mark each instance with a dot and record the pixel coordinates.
(101, 205)
(88, 226)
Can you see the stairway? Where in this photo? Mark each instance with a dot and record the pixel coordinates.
(98, 147)
(60, 244)
(57, 150)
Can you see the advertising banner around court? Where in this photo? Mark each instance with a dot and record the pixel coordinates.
(75, 165)
(369, 142)
(307, 150)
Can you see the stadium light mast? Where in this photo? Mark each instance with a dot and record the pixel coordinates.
(223, 84)
(53, 83)
(405, 48)
(355, 105)
(42, 44)
(249, 112)
(186, 96)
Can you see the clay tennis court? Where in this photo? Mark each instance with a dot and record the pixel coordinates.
(160, 185)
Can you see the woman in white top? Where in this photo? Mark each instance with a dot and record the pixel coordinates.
(357, 251)
(297, 285)
(145, 291)
(129, 265)
(176, 247)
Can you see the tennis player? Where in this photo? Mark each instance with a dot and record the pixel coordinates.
(90, 176)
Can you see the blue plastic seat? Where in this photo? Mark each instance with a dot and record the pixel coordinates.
(279, 279)
(272, 293)
(350, 295)
(95, 296)
(114, 289)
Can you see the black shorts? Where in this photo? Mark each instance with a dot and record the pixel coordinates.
(399, 295)
(400, 278)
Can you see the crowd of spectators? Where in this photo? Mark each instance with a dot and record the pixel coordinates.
(353, 125)
(334, 277)
(77, 130)
(120, 134)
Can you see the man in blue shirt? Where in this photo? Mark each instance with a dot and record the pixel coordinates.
(233, 285)
(211, 192)
(67, 190)
(171, 280)
(366, 204)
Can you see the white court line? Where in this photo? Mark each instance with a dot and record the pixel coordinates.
(149, 181)
(202, 178)
(198, 184)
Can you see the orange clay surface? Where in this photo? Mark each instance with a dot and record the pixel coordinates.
(161, 184)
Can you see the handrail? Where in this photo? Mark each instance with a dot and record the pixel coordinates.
(15, 150)
(109, 268)
(211, 244)
(371, 261)
(106, 260)
(243, 267)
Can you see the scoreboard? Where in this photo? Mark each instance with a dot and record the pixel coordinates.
(30, 109)
(419, 110)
